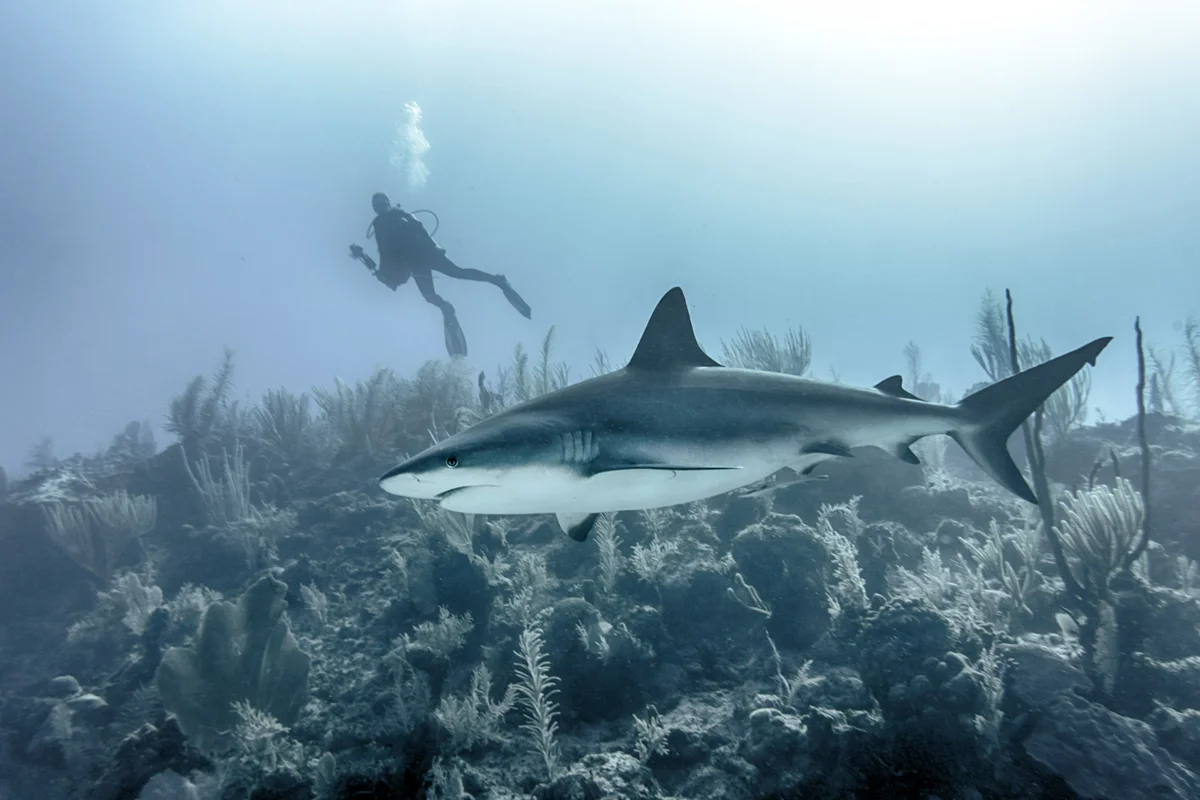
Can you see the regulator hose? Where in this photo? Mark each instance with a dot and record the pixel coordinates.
(437, 223)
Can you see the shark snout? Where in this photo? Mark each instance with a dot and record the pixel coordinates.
(400, 481)
(408, 480)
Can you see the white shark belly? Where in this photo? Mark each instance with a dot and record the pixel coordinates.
(556, 492)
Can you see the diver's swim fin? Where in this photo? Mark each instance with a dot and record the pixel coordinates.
(456, 340)
(517, 301)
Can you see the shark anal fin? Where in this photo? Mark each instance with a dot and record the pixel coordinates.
(669, 341)
(577, 526)
(829, 449)
(894, 386)
(904, 452)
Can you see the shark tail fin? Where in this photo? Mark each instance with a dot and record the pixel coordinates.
(993, 413)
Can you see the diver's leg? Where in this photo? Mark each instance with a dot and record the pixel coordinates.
(456, 340)
(423, 278)
(452, 270)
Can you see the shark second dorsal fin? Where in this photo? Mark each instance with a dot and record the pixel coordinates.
(669, 342)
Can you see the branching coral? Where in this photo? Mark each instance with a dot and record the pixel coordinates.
(1099, 529)
(536, 688)
(761, 350)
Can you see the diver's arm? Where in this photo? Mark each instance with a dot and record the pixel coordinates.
(358, 253)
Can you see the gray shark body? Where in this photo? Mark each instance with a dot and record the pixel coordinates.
(674, 426)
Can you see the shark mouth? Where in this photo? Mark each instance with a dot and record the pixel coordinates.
(451, 492)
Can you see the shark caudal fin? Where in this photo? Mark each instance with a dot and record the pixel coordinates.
(994, 412)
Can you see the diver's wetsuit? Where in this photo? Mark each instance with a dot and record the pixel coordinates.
(406, 249)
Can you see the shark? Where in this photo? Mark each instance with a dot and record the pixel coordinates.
(674, 426)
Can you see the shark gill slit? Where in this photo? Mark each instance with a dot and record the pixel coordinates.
(579, 447)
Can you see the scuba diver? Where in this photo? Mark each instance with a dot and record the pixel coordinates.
(406, 250)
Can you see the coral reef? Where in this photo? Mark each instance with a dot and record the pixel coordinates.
(243, 614)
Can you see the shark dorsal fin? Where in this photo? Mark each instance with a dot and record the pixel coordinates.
(669, 341)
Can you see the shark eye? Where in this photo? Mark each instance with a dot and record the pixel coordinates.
(451, 461)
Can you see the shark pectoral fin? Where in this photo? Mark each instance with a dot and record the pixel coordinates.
(773, 482)
(757, 489)
(577, 526)
(829, 449)
(804, 474)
